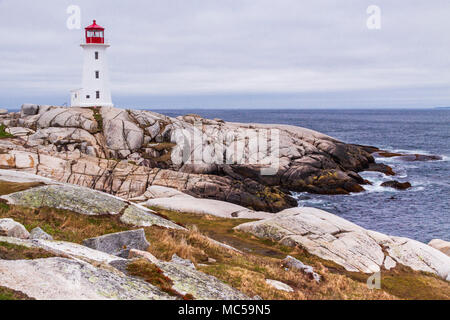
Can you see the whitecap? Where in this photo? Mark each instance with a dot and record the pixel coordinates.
(378, 188)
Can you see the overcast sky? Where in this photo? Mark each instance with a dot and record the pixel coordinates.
(233, 54)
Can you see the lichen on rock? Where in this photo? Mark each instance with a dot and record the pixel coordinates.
(73, 198)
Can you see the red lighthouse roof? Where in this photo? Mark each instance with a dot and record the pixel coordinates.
(95, 33)
(94, 26)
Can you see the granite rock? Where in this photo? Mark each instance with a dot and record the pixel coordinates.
(119, 243)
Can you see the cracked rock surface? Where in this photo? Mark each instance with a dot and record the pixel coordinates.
(349, 245)
(62, 279)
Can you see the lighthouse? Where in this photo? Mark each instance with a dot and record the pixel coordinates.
(95, 90)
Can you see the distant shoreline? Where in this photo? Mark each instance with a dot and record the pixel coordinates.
(268, 109)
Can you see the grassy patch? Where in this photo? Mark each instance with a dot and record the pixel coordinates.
(221, 229)
(9, 294)
(98, 117)
(3, 133)
(10, 251)
(407, 283)
(64, 225)
(7, 187)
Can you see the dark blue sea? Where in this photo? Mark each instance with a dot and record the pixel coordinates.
(422, 212)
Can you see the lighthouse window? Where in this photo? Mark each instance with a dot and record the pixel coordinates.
(97, 94)
(96, 55)
(88, 96)
(97, 74)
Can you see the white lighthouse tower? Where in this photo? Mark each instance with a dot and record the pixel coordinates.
(95, 91)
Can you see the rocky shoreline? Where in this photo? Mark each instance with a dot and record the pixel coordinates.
(172, 228)
(123, 152)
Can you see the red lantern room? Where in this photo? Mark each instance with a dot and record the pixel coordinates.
(95, 33)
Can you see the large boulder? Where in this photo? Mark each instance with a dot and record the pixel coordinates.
(120, 243)
(418, 256)
(19, 131)
(441, 245)
(206, 206)
(11, 228)
(187, 280)
(68, 197)
(82, 118)
(29, 109)
(66, 279)
(123, 136)
(65, 249)
(353, 247)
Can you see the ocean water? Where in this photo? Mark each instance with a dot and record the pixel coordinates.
(422, 212)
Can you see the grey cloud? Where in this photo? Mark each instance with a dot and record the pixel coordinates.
(288, 48)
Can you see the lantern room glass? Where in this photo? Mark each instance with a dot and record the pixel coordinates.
(94, 36)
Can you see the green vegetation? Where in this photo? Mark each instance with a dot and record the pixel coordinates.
(98, 117)
(9, 294)
(3, 133)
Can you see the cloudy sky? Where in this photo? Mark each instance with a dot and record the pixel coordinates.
(233, 53)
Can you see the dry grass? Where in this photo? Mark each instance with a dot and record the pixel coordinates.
(262, 260)
(166, 242)
(62, 224)
(152, 274)
(10, 251)
(7, 187)
(407, 283)
(248, 272)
